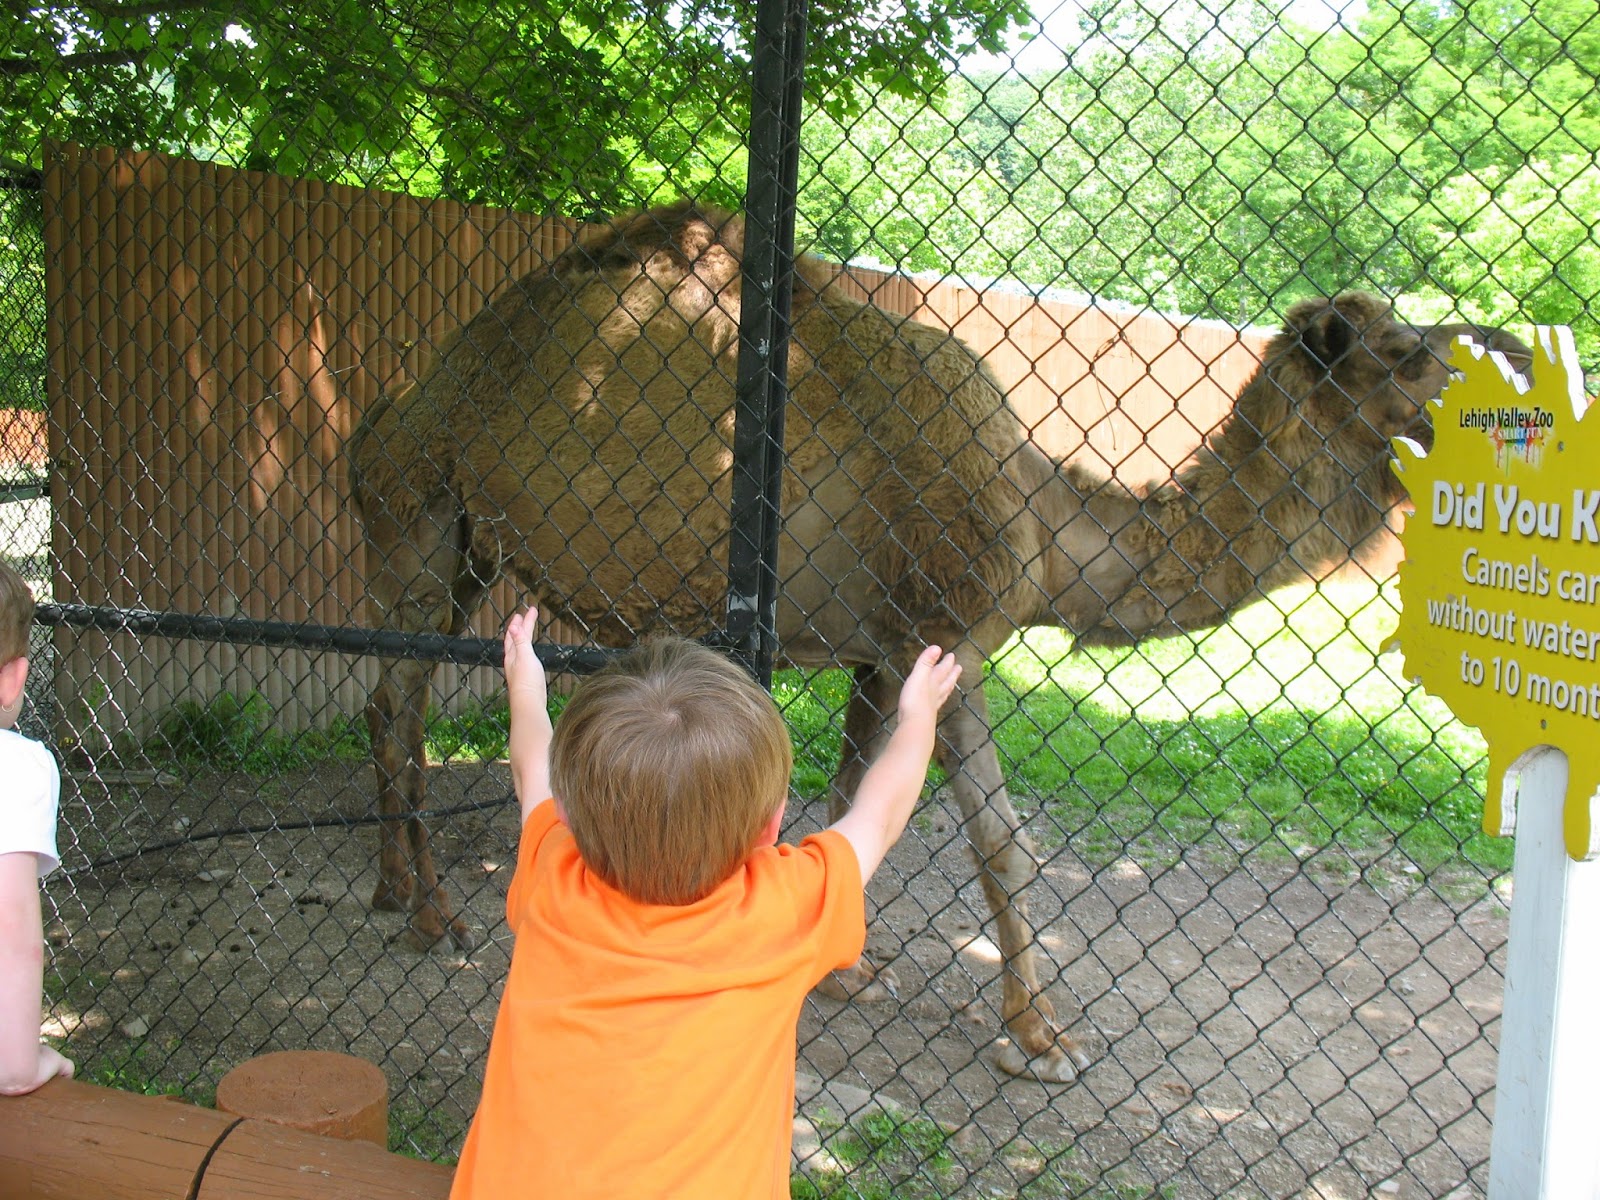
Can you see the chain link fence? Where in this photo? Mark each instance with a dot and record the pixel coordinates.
(1229, 847)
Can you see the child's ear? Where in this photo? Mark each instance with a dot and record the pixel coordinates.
(769, 831)
(13, 679)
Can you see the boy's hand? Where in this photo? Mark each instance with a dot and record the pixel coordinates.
(929, 685)
(531, 731)
(55, 1063)
(525, 680)
(51, 1064)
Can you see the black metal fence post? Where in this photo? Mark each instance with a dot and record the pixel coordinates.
(777, 70)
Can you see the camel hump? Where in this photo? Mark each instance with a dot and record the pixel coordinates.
(667, 242)
(673, 243)
(390, 454)
(390, 468)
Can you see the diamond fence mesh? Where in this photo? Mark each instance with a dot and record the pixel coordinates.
(1226, 847)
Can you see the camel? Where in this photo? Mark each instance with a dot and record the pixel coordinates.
(576, 433)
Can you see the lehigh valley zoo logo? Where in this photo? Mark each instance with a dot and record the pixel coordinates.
(1513, 431)
(1500, 587)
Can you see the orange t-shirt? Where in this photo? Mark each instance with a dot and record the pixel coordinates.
(649, 1050)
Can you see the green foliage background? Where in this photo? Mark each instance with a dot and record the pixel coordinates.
(1216, 158)
(1212, 157)
(580, 106)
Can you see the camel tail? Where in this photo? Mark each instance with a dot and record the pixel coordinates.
(390, 469)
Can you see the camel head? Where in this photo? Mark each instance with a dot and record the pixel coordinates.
(1294, 482)
(1344, 378)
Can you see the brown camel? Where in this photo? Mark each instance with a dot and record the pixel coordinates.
(576, 432)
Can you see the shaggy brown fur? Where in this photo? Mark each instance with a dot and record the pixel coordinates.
(577, 433)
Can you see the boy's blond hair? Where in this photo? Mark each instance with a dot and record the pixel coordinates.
(16, 614)
(668, 764)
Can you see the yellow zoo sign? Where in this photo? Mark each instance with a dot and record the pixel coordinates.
(1500, 587)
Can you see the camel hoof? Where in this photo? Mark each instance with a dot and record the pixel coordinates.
(862, 983)
(424, 936)
(1060, 1063)
(413, 939)
(387, 897)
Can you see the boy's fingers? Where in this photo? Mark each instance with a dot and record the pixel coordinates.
(927, 661)
(520, 625)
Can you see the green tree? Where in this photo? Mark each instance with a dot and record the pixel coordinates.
(1212, 159)
(585, 105)
(1524, 241)
(22, 309)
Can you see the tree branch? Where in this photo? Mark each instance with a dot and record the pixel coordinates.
(14, 68)
(148, 8)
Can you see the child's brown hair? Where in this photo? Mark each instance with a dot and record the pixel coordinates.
(668, 764)
(16, 614)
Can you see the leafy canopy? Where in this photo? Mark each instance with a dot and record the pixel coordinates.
(585, 105)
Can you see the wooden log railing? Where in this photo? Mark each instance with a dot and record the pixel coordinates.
(76, 1141)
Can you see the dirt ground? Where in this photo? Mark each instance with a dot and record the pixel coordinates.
(1260, 1027)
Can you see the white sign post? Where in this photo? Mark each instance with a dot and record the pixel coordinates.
(1546, 1141)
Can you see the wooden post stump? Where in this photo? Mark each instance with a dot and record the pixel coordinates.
(317, 1091)
(75, 1141)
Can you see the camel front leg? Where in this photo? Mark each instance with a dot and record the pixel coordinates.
(865, 722)
(1006, 867)
(390, 761)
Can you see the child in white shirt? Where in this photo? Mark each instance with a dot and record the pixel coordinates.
(30, 792)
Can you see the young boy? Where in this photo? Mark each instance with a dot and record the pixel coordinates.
(28, 803)
(645, 1044)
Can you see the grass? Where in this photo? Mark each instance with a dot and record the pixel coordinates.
(418, 1131)
(237, 732)
(133, 1067)
(878, 1156)
(891, 1156)
(1284, 732)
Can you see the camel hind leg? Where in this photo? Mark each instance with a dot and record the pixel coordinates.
(422, 580)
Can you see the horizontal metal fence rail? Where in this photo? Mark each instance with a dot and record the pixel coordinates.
(243, 631)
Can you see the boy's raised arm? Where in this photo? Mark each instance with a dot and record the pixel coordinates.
(882, 804)
(531, 730)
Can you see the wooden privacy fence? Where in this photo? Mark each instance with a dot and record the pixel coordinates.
(215, 334)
